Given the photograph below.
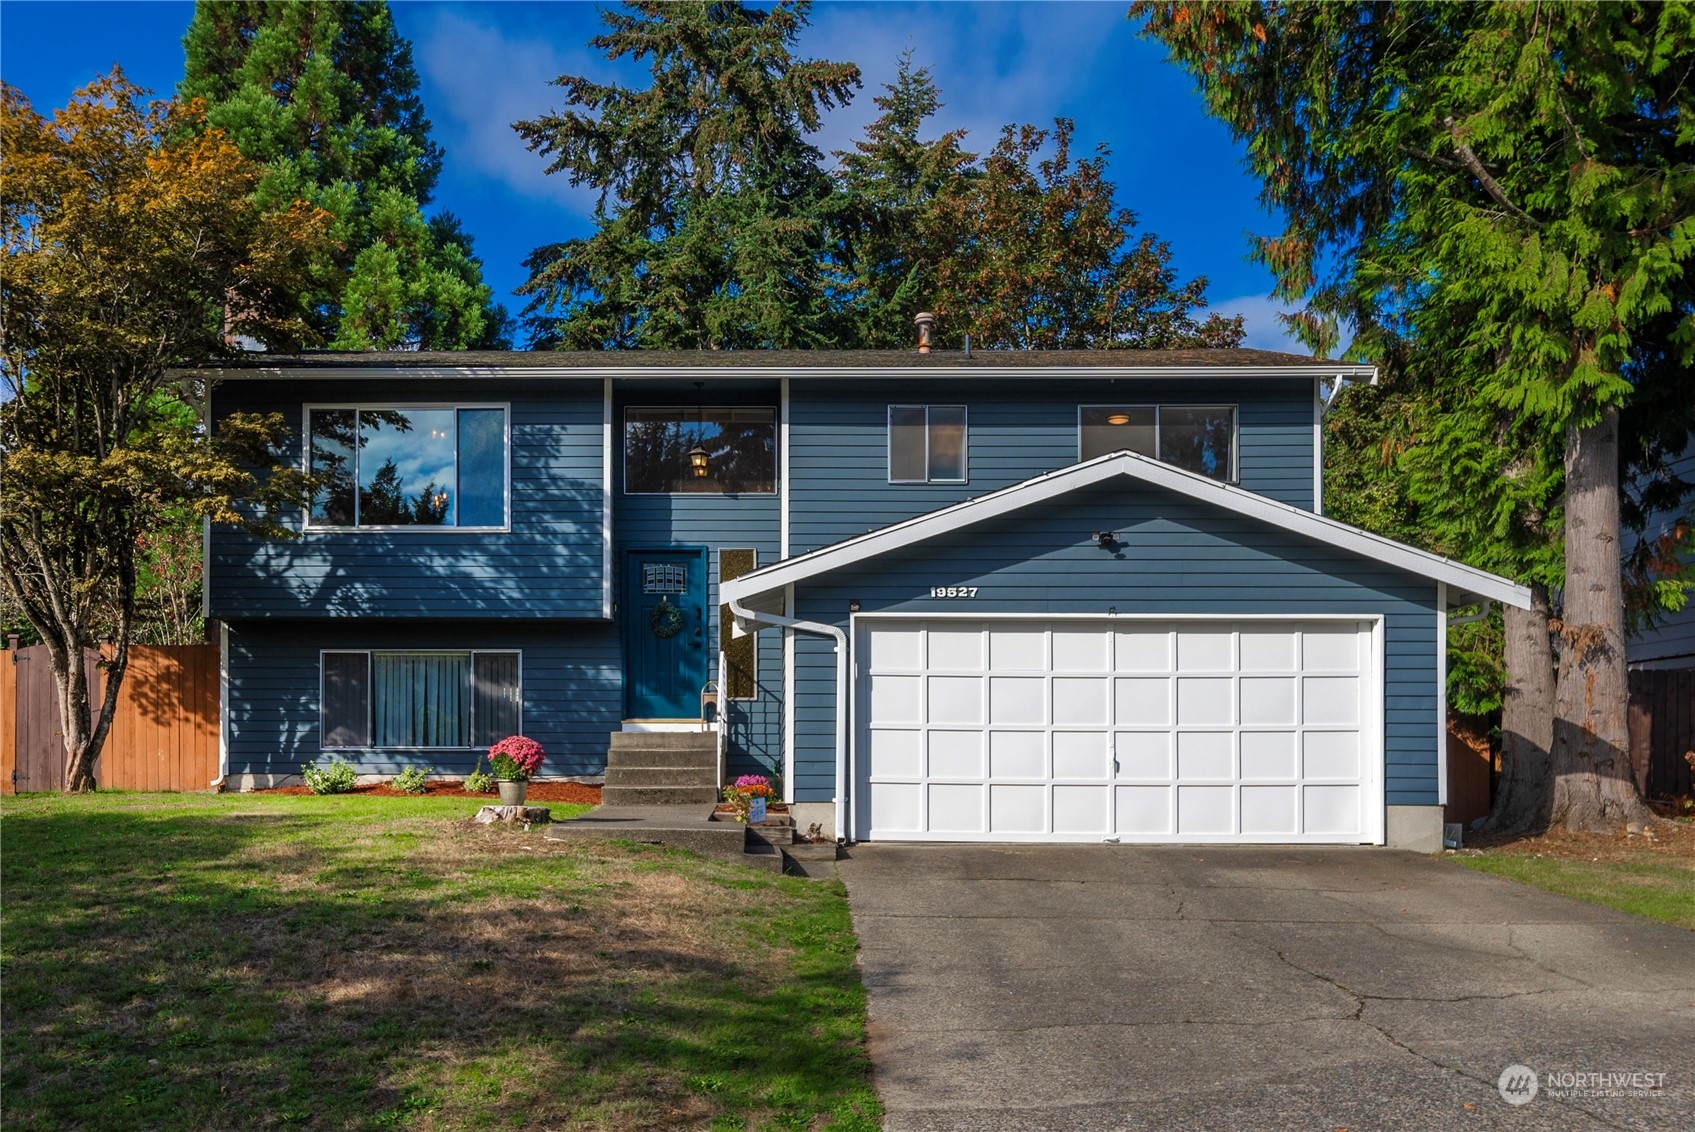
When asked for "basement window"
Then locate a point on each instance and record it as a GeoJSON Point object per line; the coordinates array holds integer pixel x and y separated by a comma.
{"type": "Point", "coordinates": [411, 700]}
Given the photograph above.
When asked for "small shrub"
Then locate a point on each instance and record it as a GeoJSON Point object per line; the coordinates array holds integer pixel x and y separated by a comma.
{"type": "Point", "coordinates": [412, 780]}
{"type": "Point", "coordinates": [479, 781]}
{"type": "Point", "coordinates": [337, 778]}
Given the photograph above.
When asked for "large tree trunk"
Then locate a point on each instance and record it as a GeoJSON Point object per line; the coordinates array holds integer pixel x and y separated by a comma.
{"type": "Point", "coordinates": [84, 725]}
{"type": "Point", "coordinates": [1524, 796]}
{"type": "Point", "coordinates": [1594, 788]}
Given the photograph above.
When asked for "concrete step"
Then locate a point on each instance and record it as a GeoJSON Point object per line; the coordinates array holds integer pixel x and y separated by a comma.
{"type": "Point", "coordinates": [660, 776]}
{"type": "Point", "coordinates": [680, 827]}
{"type": "Point", "coordinates": [662, 757]}
{"type": "Point", "coordinates": [658, 795]}
{"type": "Point", "coordinates": [665, 740]}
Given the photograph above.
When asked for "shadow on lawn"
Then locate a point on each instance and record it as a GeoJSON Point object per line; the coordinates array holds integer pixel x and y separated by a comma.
{"type": "Point", "coordinates": [190, 969]}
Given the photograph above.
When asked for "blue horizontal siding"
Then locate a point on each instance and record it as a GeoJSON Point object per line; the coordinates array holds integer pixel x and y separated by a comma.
{"type": "Point", "coordinates": [547, 566]}
{"type": "Point", "coordinates": [1042, 560]}
{"type": "Point", "coordinates": [838, 443]}
{"type": "Point", "coordinates": [570, 691]}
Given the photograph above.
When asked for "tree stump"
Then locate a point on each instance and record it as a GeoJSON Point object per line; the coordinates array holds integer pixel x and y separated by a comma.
{"type": "Point", "coordinates": [537, 815]}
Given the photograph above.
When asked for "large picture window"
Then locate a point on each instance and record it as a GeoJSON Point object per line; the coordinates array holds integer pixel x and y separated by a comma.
{"type": "Point", "coordinates": [927, 444]}
{"type": "Point", "coordinates": [409, 467]}
{"type": "Point", "coordinates": [1196, 438]}
{"type": "Point", "coordinates": [418, 699]}
{"type": "Point", "coordinates": [713, 450]}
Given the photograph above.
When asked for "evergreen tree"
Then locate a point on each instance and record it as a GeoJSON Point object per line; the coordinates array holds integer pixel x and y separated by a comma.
{"type": "Point", "coordinates": [711, 223]}
{"type": "Point", "coordinates": [890, 226]}
{"type": "Point", "coordinates": [1505, 191]}
{"type": "Point", "coordinates": [324, 96]}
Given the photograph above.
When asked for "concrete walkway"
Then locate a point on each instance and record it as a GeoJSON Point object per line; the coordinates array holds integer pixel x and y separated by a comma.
{"type": "Point", "coordinates": [1117, 987]}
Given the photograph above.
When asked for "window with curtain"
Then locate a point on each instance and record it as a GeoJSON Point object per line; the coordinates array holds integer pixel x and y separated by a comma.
{"type": "Point", "coordinates": [419, 699]}
{"type": "Point", "coordinates": [1197, 438]}
{"type": "Point", "coordinates": [927, 444]}
{"type": "Point", "coordinates": [408, 467]}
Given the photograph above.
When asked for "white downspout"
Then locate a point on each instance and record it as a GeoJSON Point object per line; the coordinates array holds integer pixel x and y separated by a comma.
{"type": "Point", "coordinates": [843, 694]}
{"type": "Point", "coordinates": [223, 706]}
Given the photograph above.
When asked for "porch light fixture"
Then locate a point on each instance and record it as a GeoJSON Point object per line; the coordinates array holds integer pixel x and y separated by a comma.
{"type": "Point", "coordinates": [698, 455]}
{"type": "Point", "coordinates": [1118, 417]}
{"type": "Point", "coordinates": [698, 458]}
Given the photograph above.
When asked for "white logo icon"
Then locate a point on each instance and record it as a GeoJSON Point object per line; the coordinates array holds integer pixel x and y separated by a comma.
{"type": "Point", "coordinates": [1518, 1084]}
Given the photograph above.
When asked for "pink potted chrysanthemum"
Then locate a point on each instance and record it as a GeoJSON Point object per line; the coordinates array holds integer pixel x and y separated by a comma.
{"type": "Point", "coordinates": [513, 760]}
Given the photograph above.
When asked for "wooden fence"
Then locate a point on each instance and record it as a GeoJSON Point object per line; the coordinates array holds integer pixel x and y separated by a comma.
{"type": "Point", "coordinates": [1662, 730]}
{"type": "Point", "coordinates": [163, 737]}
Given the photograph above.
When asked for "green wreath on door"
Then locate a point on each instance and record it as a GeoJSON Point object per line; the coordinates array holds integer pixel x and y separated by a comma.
{"type": "Point", "coordinates": [666, 620]}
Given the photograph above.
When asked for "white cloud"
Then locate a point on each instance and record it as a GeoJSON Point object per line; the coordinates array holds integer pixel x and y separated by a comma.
{"type": "Point", "coordinates": [1259, 318]}
{"type": "Point", "coordinates": [491, 80]}
{"type": "Point", "coordinates": [995, 63]}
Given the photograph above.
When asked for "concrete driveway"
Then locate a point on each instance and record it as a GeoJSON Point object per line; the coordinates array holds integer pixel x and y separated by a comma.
{"type": "Point", "coordinates": [1117, 987]}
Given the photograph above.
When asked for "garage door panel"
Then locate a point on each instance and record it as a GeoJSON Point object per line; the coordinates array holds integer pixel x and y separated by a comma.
{"type": "Point", "coordinates": [1144, 754]}
{"type": "Point", "coordinates": [1079, 700]}
{"type": "Point", "coordinates": [1202, 700]}
{"type": "Point", "coordinates": [956, 700]}
{"type": "Point", "coordinates": [1269, 810]}
{"type": "Point", "coordinates": [1143, 811]}
{"type": "Point", "coordinates": [1018, 754]}
{"type": "Point", "coordinates": [1269, 699]}
{"type": "Point", "coordinates": [1018, 699]}
{"type": "Point", "coordinates": [956, 808]}
{"type": "Point", "coordinates": [1205, 810]}
{"type": "Point", "coordinates": [1331, 700]}
{"type": "Point", "coordinates": [1157, 731]}
{"type": "Point", "coordinates": [897, 699]}
{"type": "Point", "coordinates": [1142, 701]}
{"type": "Point", "coordinates": [1269, 754]}
{"type": "Point", "coordinates": [1080, 754]}
{"type": "Point", "coordinates": [957, 649]}
{"type": "Point", "coordinates": [896, 754]}
{"type": "Point", "coordinates": [1080, 810]}
{"type": "Point", "coordinates": [1081, 651]}
{"type": "Point", "coordinates": [956, 754]}
{"type": "Point", "coordinates": [1018, 809]}
{"type": "Point", "coordinates": [1145, 649]}
{"type": "Point", "coordinates": [1205, 754]}
{"type": "Point", "coordinates": [1330, 809]}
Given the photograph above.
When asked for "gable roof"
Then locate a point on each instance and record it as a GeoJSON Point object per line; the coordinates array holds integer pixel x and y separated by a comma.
{"type": "Point", "coordinates": [1464, 582]}
{"type": "Point", "coordinates": [623, 364]}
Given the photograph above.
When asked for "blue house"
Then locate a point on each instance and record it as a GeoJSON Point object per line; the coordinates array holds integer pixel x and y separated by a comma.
{"type": "Point", "coordinates": [945, 596]}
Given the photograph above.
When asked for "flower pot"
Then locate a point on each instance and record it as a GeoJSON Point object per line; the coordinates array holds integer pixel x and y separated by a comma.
{"type": "Point", "coordinates": [512, 791]}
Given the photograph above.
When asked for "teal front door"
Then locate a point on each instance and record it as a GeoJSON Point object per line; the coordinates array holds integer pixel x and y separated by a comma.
{"type": "Point", "coordinates": [664, 615]}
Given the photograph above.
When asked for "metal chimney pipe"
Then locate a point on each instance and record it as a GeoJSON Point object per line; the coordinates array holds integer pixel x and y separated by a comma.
{"type": "Point", "coordinates": [926, 321]}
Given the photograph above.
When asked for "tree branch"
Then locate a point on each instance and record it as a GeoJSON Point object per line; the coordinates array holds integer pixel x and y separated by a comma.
{"type": "Point", "coordinates": [1475, 167]}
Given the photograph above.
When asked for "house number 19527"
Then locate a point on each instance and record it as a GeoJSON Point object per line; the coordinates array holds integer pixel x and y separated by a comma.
{"type": "Point", "coordinates": [953, 591]}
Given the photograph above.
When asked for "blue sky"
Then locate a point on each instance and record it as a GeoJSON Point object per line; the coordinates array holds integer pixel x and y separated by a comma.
{"type": "Point", "coordinates": [485, 65]}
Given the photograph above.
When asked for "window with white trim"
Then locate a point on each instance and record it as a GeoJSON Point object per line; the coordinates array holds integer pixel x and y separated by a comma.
{"type": "Point", "coordinates": [401, 467]}
{"type": "Point", "coordinates": [371, 699]}
{"type": "Point", "coordinates": [1196, 438]}
{"type": "Point", "coordinates": [927, 444]}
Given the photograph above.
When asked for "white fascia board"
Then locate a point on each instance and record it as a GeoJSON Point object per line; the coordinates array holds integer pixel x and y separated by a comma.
{"type": "Point", "coordinates": [1462, 580]}
{"type": "Point", "coordinates": [824, 373]}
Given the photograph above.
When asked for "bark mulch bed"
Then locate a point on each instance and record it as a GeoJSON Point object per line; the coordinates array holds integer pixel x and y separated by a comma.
{"type": "Point", "coordinates": [579, 792]}
{"type": "Point", "coordinates": [1669, 839]}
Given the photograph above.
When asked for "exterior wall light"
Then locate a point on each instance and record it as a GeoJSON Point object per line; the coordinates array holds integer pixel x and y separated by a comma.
{"type": "Point", "coordinates": [1106, 540]}
{"type": "Point", "coordinates": [698, 457]}
{"type": "Point", "coordinates": [853, 605]}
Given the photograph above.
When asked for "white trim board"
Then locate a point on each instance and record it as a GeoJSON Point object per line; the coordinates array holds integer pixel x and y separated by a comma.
{"type": "Point", "coordinates": [1316, 368]}
{"type": "Point", "coordinates": [1463, 581]}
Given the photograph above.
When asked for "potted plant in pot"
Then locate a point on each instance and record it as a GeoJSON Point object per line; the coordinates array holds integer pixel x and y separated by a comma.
{"type": "Point", "coordinates": [749, 796]}
{"type": "Point", "coordinates": [513, 760]}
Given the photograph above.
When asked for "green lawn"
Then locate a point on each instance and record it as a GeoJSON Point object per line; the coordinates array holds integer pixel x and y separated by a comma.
{"type": "Point", "coordinates": [189, 962]}
{"type": "Point", "coordinates": [1662, 890]}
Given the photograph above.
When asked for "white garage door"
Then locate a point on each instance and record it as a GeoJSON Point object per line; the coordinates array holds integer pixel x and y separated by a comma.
{"type": "Point", "coordinates": [1188, 731]}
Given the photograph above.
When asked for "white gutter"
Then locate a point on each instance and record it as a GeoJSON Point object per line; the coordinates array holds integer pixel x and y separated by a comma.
{"type": "Point", "coordinates": [743, 616]}
{"type": "Point", "coordinates": [297, 372]}
{"type": "Point", "coordinates": [1482, 612]}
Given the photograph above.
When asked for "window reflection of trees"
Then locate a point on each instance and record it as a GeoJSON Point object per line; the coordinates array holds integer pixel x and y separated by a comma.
{"type": "Point", "coordinates": [1197, 439]}
{"type": "Point", "coordinates": [741, 447]}
{"type": "Point", "coordinates": [383, 501]}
